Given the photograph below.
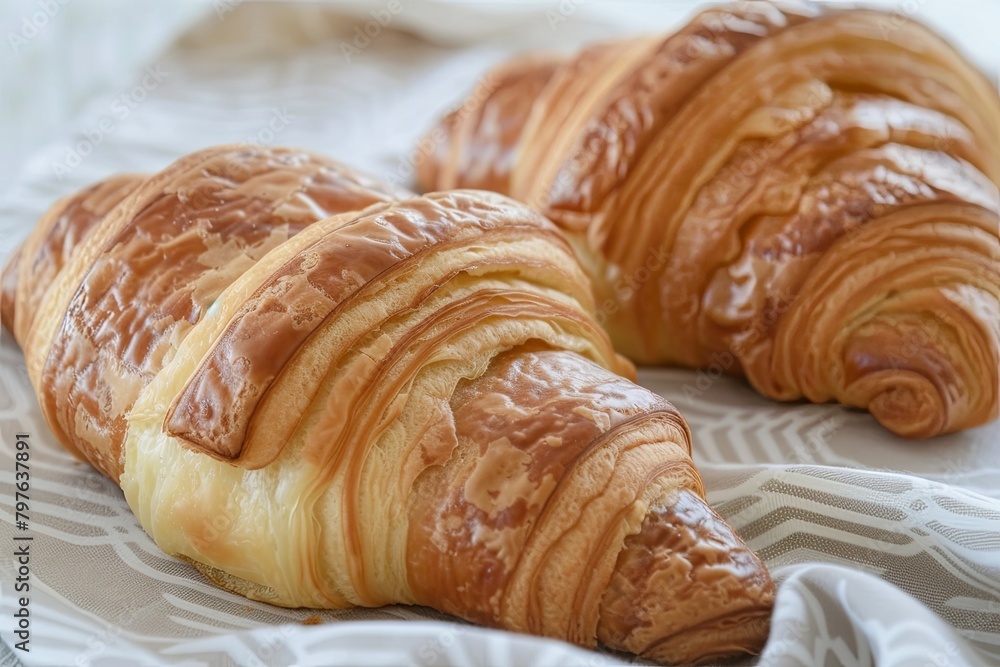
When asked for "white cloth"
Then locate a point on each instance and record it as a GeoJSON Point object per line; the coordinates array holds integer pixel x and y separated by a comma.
{"type": "Point", "coordinates": [886, 552]}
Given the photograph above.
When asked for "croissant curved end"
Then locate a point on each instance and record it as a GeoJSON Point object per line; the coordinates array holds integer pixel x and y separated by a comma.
{"type": "Point", "coordinates": [791, 187]}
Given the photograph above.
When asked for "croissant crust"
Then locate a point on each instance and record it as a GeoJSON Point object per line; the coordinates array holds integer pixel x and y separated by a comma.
{"type": "Point", "coordinates": [801, 195]}
{"type": "Point", "coordinates": [323, 392]}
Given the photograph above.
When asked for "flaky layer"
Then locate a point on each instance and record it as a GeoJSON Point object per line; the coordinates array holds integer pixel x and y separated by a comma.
{"type": "Point", "coordinates": [151, 266]}
{"type": "Point", "coordinates": [556, 464]}
{"type": "Point", "coordinates": [716, 179]}
{"type": "Point", "coordinates": [324, 393]}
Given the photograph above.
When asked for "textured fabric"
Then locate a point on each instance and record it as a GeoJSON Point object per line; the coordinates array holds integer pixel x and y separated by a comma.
{"type": "Point", "coordinates": [886, 552]}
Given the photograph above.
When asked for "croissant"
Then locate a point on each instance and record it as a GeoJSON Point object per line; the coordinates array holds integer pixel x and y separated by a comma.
{"type": "Point", "coordinates": [803, 196]}
{"type": "Point", "coordinates": [323, 392]}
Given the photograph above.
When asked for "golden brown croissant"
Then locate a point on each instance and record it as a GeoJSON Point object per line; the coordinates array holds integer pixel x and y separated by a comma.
{"type": "Point", "coordinates": [323, 393]}
{"type": "Point", "coordinates": [807, 197]}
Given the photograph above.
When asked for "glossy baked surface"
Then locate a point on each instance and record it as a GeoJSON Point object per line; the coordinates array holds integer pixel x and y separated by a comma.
{"type": "Point", "coordinates": [325, 393]}
{"type": "Point", "coordinates": [804, 196]}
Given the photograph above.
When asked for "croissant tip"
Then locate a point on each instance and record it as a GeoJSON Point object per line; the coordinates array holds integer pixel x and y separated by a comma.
{"type": "Point", "coordinates": [686, 588]}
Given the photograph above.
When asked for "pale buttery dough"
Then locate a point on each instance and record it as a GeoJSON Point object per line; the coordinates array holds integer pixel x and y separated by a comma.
{"type": "Point", "coordinates": [324, 393]}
